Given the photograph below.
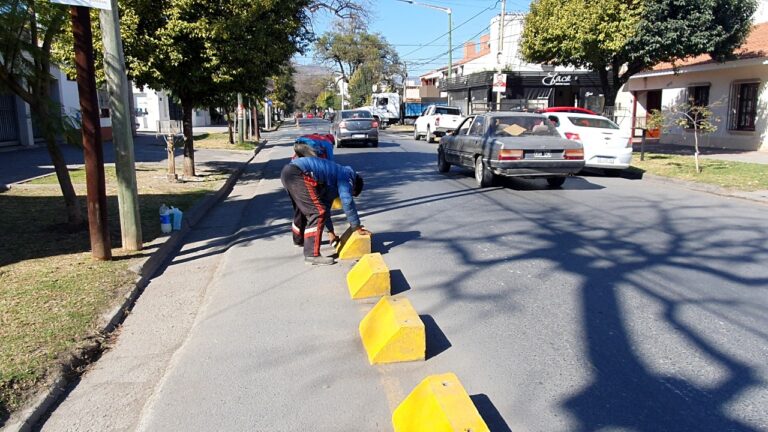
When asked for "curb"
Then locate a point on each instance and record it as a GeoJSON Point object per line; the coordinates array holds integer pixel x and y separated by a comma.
{"type": "Point", "coordinates": [27, 418]}
{"type": "Point", "coordinates": [756, 196]}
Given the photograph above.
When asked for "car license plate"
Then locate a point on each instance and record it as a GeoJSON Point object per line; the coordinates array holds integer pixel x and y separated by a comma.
{"type": "Point", "coordinates": [604, 160]}
{"type": "Point", "coordinates": [542, 154]}
{"type": "Point", "coordinates": [359, 136]}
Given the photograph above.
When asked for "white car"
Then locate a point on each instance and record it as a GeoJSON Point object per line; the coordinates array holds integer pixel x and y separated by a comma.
{"type": "Point", "coordinates": [606, 146]}
{"type": "Point", "coordinates": [437, 121]}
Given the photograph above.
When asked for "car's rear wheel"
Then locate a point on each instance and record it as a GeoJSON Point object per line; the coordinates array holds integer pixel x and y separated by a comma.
{"type": "Point", "coordinates": [375, 143]}
{"type": "Point", "coordinates": [555, 182]}
{"type": "Point", "coordinates": [442, 165]}
{"type": "Point", "coordinates": [483, 175]}
{"type": "Point", "coordinates": [430, 136]}
{"type": "Point", "coordinates": [415, 134]}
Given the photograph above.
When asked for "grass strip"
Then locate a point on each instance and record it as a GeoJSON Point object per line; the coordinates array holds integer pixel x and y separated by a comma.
{"type": "Point", "coordinates": [52, 293]}
{"type": "Point", "coordinates": [740, 176]}
{"type": "Point", "coordinates": [220, 141]}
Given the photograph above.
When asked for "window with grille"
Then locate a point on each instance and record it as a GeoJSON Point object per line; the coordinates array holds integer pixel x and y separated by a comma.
{"type": "Point", "coordinates": [743, 111]}
{"type": "Point", "coordinates": [698, 96]}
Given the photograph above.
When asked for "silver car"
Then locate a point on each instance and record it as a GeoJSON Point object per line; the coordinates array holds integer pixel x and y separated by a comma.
{"type": "Point", "coordinates": [355, 126]}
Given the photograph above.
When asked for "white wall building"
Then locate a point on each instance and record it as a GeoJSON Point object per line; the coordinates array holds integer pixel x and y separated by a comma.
{"type": "Point", "coordinates": [735, 90]}
{"type": "Point", "coordinates": [156, 111]}
{"type": "Point", "coordinates": [16, 125]}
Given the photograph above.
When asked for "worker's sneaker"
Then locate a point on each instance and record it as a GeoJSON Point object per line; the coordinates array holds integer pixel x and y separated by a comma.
{"type": "Point", "coordinates": [319, 260]}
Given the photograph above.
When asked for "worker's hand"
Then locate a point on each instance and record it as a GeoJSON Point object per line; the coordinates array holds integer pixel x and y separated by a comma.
{"type": "Point", "coordinates": [362, 231]}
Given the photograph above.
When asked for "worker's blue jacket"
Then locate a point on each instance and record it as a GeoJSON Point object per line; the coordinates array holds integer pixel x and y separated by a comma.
{"type": "Point", "coordinates": [336, 178]}
{"type": "Point", "coordinates": [323, 149]}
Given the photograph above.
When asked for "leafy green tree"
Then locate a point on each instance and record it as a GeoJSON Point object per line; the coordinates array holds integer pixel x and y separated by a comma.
{"type": "Point", "coordinates": [200, 49]}
{"type": "Point", "coordinates": [28, 29]}
{"type": "Point", "coordinates": [284, 93]}
{"type": "Point", "coordinates": [350, 46]}
{"type": "Point", "coordinates": [619, 38]}
{"type": "Point", "coordinates": [361, 86]}
{"type": "Point", "coordinates": [327, 99]}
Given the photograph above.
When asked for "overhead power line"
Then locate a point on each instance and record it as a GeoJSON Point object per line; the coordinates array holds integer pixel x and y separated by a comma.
{"type": "Point", "coordinates": [454, 28]}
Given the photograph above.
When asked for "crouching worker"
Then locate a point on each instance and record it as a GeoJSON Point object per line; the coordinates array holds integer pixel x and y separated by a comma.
{"type": "Point", "coordinates": [321, 146]}
{"type": "Point", "coordinates": [309, 181]}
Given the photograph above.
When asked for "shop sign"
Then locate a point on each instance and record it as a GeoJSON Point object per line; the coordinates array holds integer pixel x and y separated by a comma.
{"type": "Point", "coordinates": [555, 79]}
{"type": "Point", "coordinates": [98, 4]}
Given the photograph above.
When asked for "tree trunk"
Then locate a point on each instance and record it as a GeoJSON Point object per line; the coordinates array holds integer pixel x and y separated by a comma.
{"type": "Point", "coordinates": [609, 93]}
{"type": "Point", "coordinates": [74, 215]}
{"type": "Point", "coordinates": [229, 128]}
{"type": "Point", "coordinates": [189, 143]}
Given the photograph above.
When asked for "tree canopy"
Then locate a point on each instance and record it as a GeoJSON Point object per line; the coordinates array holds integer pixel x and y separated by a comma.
{"type": "Point", "coordinates": [349, 46]}
{"type": "Point", "coordinates": [200, 49]}
{"type": "Point", "coordinates": [619, 38]}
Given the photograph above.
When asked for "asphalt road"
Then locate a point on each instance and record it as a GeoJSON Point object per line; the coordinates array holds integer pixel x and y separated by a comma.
{"type": "Point", "coordinates": [608, 305]}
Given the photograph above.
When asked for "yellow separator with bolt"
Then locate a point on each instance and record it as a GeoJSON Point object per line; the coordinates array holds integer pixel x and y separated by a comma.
{"type": "Point", "coordinates": [353, 245]}
{"type": "Point", "coordinates": [438, 404]}
{"type": "Point", "coordinates": [393, 332]}
{"type": "Point", "coordinates": [369, 277]}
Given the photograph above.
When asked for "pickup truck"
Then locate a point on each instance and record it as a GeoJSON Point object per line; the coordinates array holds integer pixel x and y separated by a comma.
{"type": "Point", "coordinates": [437, 121]}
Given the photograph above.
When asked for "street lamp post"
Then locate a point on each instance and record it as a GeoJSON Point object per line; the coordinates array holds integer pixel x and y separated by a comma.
{"type": "Point", "coordinates": [450, 29]}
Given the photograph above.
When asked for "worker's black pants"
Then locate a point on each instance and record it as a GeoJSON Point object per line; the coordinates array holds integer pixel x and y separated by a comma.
{"type": "Point", "coordinates": [309, 211]}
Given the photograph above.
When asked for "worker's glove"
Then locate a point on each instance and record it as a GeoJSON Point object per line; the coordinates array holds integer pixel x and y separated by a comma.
{"type": "Point", "coordinates": [362, 231]}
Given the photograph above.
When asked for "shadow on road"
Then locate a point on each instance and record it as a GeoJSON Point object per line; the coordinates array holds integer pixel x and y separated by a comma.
{"type": "Point", "coordinates": [610, 259]}
{"type": "Point", "coordinates": [437, 341]}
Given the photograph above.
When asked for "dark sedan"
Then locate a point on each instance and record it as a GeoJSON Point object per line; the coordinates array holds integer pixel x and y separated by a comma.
{"type": "Point", "coordinates": [522, 145]}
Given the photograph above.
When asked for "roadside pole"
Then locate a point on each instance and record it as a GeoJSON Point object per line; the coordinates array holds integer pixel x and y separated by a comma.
{"type": "Point", "coordinates": [119, 95]}
{"type": "Point", "coordinates": [240, 118]}
{"type": "Point", "coordinates": [256, 132]}
{"type": "Point", "coordinates": [93, 152]}
{"type": "Point", "coordinates": [500, 54]}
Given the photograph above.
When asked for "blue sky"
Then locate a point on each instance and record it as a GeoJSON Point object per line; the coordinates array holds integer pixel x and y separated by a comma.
{"type": "Point", "coordinates": [420, 33]}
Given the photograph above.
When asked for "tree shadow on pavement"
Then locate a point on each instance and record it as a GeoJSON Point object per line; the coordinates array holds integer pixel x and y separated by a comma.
{"type": "Point", "coordinates": [612, 260]}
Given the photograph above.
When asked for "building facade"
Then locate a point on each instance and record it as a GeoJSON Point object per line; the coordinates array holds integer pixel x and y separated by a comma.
{"type": "Point", "coordinates": [529, 86]}
{"type": "Point", "coordinates": [735, 90]}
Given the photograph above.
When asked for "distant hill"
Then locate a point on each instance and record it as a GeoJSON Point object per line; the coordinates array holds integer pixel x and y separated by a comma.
{"type": "Point", "coordinates": [312, 70]}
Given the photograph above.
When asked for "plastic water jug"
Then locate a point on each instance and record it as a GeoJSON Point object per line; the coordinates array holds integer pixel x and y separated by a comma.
{"type": "Point", "coordinates": [165, 219]}
{"type": "Point", "coordinates": [177, 216]}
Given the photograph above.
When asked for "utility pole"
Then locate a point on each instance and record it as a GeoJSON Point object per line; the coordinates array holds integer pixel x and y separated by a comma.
{"type": "Point", "coordinates": [240, 118]}
{"type": "Point", "coordinates": [450, 44]}
{"type": "Point", "coordinates": [500, 54]}
{"type": "Point", "coordinates": [119, 102]}
{"type": "Point", "coordinates": [93, 152]}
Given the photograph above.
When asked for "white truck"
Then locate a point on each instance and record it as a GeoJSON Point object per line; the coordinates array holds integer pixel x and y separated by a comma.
{"type": "Point", "coordinates": [385, 107]}
{"type": "Point", "coordinates": [437, 121]}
